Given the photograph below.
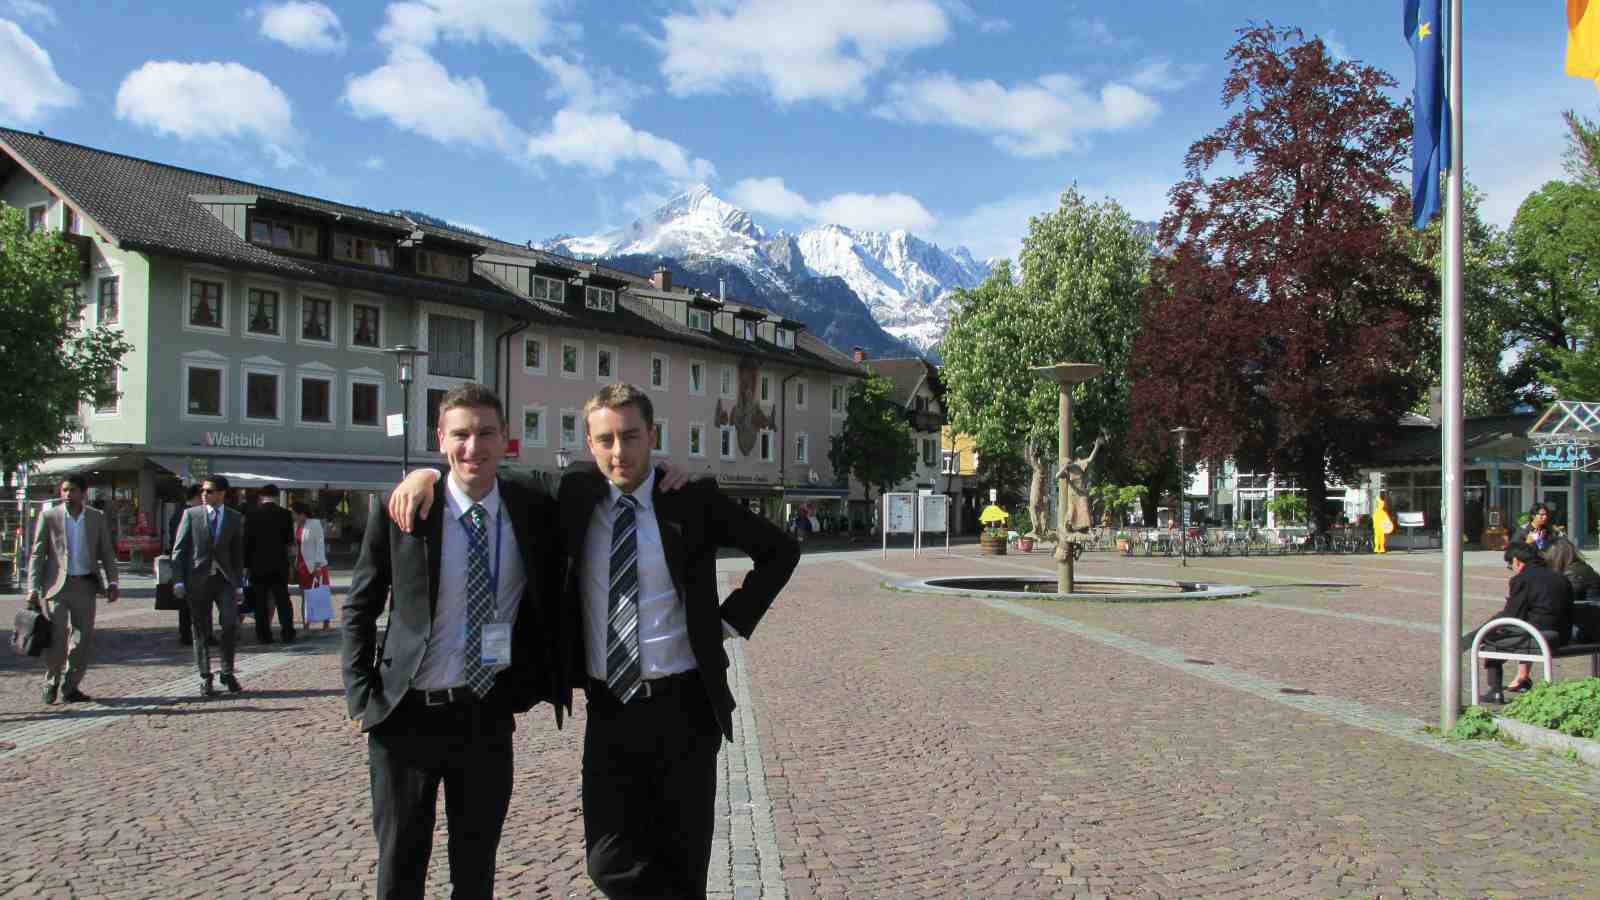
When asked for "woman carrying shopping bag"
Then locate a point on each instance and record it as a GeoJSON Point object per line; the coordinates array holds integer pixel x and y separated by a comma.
{"type": "Point", "coordinates": [311, 568]}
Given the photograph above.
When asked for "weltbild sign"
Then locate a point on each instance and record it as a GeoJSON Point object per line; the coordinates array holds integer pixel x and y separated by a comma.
{"type": "Point", "coordinates": [233, 439]}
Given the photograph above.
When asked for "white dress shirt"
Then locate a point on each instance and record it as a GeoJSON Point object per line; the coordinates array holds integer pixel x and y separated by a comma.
{"type": "Point", "coordinates": [664, 647]}
{"type": "Point", "coordinates": [77, 542]}
{"type": "Point", "coordinates": [444, 663]}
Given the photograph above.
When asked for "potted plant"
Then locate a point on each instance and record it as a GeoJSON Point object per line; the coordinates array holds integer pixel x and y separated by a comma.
{"type": "Point", "coordinates": [1026, 535]}
{"type": "Point", "coordinates": [993, 539]}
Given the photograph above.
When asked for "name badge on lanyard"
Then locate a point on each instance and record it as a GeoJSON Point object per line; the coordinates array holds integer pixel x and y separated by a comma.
{"type": "Point", "coordinates": [494, 638]}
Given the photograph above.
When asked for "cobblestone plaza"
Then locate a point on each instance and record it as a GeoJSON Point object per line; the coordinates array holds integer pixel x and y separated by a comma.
{"type": "Point", "coordinates": [890, 744]}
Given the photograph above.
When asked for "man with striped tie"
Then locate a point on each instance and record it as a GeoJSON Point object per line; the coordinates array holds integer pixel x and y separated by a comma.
{"type": "Point", "coordinates": [473, 586]}
{"type": "Point", "coordinates": [642, 629]}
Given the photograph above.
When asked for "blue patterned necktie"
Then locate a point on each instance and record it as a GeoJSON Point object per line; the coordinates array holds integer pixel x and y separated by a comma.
{"type": "Point", "coordinates": [623, 671]}
{"type": "Point", "coordinates": [480, 599]}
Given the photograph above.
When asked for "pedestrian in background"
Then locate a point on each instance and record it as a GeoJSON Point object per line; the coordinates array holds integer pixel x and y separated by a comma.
{"type": "Point", "coordinates": [71, 549]}
{"type": "Point", "coordinates": [208, 572]}
{"type": "Point", "coordinates": [191, 497]}
{"type": "Point", "coordinates": [268, 544]}
{"type": "Point", "coordinates": [311, 557]}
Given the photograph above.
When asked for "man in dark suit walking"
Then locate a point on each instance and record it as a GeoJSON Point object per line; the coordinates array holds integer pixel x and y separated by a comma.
{"type": "Point", "coordinates": [268, 540]}
{"type": "Point", "coordinates": [208, 571]}
{"type": "Point", "coordinates": [642, 630]}
{"type": "Point", "coordinates": [468, 645]}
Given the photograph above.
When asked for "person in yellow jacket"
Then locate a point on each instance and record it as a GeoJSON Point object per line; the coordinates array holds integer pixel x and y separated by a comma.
{"type": "Point", "coordinates": [1382, 525]}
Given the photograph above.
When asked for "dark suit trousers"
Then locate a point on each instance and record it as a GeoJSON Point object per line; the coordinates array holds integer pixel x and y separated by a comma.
{"type": "Point", "coordinates": [205, 593]}
{"type": "Point", "coordinates": [649, 790]}
{"type": "Point", "coordinates": [412, 752]}
{"type": "Point", "coordinates": [268, 590]}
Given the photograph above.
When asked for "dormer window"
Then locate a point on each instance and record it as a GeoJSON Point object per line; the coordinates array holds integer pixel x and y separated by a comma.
{"type": "Point", "coordinates": [281, 235]}
{"type": "Point", "coordinates": [601, 299]}
{"type": "Point", "coordinates": [349, 248]}
{"type": "Point", "coordinates": [699, 319]}
{"type": "Point", "coordinates": [441, 265]}
{"type": "Point", "coordinates": [549, 290]}
{"type": "Point", "coordinates": [786, 338]}
{"type": "Point", "coordinates": [744, 329]}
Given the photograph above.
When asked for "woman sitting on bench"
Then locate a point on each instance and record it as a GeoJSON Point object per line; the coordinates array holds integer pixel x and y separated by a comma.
{"type": "Point", "coordinates": [1539, 596]}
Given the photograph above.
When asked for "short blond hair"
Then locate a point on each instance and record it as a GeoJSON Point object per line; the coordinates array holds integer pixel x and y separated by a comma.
{"type": "Point", "coordinates": [616, 396]}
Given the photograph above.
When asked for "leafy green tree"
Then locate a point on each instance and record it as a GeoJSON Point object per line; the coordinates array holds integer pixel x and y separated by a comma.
{"type": "Point", "coordinates": [875, 444]}
{"type": "Point", "coordinates": [1583, 150]}
{"type": "Point", "coordinates": [1554, 303]}
{"type": "Point", "coordinates": [52, 362]}
{"type": "Point", "coordinates": [1083, 270]}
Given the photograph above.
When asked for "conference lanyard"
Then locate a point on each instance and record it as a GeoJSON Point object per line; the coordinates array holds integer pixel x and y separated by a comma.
{"type": "Point", "coordinates": [494, 561]}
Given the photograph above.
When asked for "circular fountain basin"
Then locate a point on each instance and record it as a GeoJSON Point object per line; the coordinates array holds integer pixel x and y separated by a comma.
{"type": "Point", "coordinates": [1043, 587]}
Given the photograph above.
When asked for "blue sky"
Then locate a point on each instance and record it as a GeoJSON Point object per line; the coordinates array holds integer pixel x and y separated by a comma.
{"type": "Point", "coordinates": [956, 119]}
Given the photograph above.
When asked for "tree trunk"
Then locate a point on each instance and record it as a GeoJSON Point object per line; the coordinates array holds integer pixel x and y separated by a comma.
{"type": "Point", "coordinates": [1042, 473]}
{"type": "Point", "coordinates": [1314, 481]}
{"type": "Point", "coordinates": [1152, 498]}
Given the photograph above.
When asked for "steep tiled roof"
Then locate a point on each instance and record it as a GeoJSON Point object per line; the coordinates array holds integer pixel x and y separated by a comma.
{"type": "Point", "coordinates": [148, 206]}
{"type": "Point", "coordinates": [905, 374]}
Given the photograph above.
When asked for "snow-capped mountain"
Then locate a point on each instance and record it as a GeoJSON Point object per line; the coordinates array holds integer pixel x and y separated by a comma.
{"type": "Point", "coordinates": [903, 280]}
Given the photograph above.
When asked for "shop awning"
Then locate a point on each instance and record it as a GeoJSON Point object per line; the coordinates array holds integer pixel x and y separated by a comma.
{"type": "Point", "coordinates": [67, 465]}
{"type": "Point", "coordinates": [814, 492]}
{"type": "Point", "coordinates": [254, 471]}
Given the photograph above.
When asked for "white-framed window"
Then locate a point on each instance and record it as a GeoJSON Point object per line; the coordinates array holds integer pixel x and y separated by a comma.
{"type": "Point", "coordinates": [112, 405]}
{"type": "Point", "coordinates": [570, 436]}
{"type": "Point", "coordinates": [700, 319]}
{"type": "Point", "coordinates": [315, 388]}
{"type": "Point", "coordinates": [282, 235]}
{"type": "Point", "coordinates": [836, 399]}
{"type": "Point", "coordinates": [764, 387]}
{"type": "Point", "coordinates": [533, 426]}
{"type": "Point", "coordinates": [441, 265]}
{"type": "Point", "coordinates": [767, 445]}
{"type": "Point", "coordinates": [366, 399]}
{"type": "Point", "coordinates": [535, 350]}
{"type": "Point", "coordinates": [261, 391]}
{"type": "Point", "coordinates": [204, 387]}
{"type": "Point", "coordinates": [550, 290]}
{"type": "Point", "coordinates": [366, 324]}
{"type": "Point", "coordinates": [366, 251]}
{"type": "Point", "coordinates": [453, 344]}
{"type": "Point", "coordinates": [263, 312]}
{"type": "Point", "coordinates": [660, 371]}
{"type": "Point", "coordinates": [600, 298]}
{"type": "Point", "coordinates": [571, 359]}
{"type": "Point", "coordinates": [108, 301]}
{"type": "Point", "coordinates": [697, 439]}
{"type": "Point", "coordinates": [744, 329]}
{"type": "Point", "coordinates": [728, 384]}
{"type": "Point", "coordinates": [663, 444]}
{"type": "Point", "coordinates": [930, 452]}
{"type": "Point", "coordinates": [38, 216]}
{"type": "Point", "coordinates": [801, 389]}
{"type": "Point", "coordinates": [605, 363]}
{"type": "Point", "coordinates": [697, 377]}
{"type": "Point", "coordinates": [207, 308]}
{"type": "Point", "coordinates": [725, 441]}
{"type": "Point", "coordinates": [316, 319]}
{"type": "Point", "coordinates": [786, 338]}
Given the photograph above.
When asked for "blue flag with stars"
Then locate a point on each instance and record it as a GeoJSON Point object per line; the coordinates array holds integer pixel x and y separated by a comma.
{"type": "Point", "coordinates": [1430, 124]}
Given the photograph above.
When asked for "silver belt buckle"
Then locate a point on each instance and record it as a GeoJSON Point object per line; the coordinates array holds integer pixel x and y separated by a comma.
{"type": "Point", "coordinates": [428, 697]}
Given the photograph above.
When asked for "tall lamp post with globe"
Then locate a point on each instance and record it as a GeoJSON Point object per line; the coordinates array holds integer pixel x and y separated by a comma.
{"type": "Point", "coordinates": [1182, 431]}
{"type": "Point", "coordinates": [405, 358]}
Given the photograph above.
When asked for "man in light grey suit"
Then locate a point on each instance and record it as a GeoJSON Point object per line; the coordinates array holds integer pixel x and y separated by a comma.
{"type": "Point", "coordinates": [71, 548]}
{"type": "Point", "coordinates": [207, 571]}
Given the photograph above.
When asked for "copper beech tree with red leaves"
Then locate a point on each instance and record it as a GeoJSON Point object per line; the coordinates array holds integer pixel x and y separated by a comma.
{"type": "Point", "coordinates": [1284, 305]}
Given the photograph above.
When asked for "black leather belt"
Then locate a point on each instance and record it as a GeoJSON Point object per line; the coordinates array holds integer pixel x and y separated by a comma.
{"type": "Point", "coordinates": [652, 687]}
{"type": "Point", "coordinates": [90, 575]}
{"type": "Point", "coordinates": [443, 696]}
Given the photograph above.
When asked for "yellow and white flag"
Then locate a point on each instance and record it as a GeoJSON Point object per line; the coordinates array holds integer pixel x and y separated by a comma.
{"type": "Point", "coordinates": [1583, 39]}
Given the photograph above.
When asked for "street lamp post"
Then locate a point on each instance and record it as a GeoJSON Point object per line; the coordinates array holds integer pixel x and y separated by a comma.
{"type": "Point", "coordinates": [1182, 431]}
{"type": "Point", "coordinates": [405, 358]}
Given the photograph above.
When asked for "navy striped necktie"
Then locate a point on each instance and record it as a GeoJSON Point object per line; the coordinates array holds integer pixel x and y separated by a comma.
{"type": "Point", "coordinates": [623, 670]}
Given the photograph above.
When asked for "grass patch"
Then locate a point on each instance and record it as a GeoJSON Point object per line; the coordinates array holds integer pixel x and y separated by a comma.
{"type": "Point", "coordinates": [1474, 723]}
{"type": "Point", "coordinates": [1570, 707]}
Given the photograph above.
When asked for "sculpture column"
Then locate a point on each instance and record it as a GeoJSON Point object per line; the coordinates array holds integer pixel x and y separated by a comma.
{"type": "Point", "coordinates": [1065, 375]}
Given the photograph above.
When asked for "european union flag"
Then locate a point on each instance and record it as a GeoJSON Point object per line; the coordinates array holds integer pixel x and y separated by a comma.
{"type": "Point", "coordinates": [1430, 125]}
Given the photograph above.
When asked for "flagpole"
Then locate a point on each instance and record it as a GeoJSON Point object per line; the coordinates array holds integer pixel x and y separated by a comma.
{"type": "Point", "coordinates": [1454, 418]}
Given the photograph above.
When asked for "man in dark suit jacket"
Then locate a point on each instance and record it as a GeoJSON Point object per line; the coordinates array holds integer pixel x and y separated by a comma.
{"type": "Point", "coordinates": [642, 628]}
{"type": "Point", "coordinates": [1537, 595]}
{"type": "Point", "coordinates": [466, 647]}
{"type": "Point", "coordinates": [191, 498]}
{"type": "Point", "coordinates": [208, 571]}
{"type": "Point", "coordinates": [268, 539]}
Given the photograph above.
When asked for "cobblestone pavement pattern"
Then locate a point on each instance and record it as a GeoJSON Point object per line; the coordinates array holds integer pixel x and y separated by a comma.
{"type": "Point", "coordinates": [890, 744]}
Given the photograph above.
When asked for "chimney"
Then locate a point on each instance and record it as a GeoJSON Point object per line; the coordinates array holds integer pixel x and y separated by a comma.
{"type": "Point", "coordinates": [662, 278]}
{"type": "Point", "coordinates": [859, 354]}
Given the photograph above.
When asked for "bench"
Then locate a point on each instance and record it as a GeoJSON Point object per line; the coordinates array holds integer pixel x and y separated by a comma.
{"type": "Point", "coordinates": [1545, 654]}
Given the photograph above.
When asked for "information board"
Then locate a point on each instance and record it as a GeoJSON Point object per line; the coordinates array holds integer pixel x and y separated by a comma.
{"type": "Point", "coordinates": [935, 512]}
{"type": "Point", "coordinates": [899, 513]}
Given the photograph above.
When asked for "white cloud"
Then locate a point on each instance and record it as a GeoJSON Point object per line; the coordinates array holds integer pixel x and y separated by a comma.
{"type": "Point", "coordinates": [31, 83]}
{"type": "Point", "coordinates": [1096, 31]}
{"type": "Point", "coordinates": [417, 94]}
{"type": "Point", "coordinates": [31, 11]}
{"type": "Point", "coordinates": [1335, 46]}
{"type": "Point", "coordinates": [868, 212]}
{"type": "Point", "coordinates": [525, 24]}
{"type": "Point", "coordinates": [210, 100]}
{"type": "Point", "coordinates": [303, 25]}
{"type": "Point", "coordinates": [1163, 75]}
{"type": "Point", "coordinates": [600, 141]}
{"type": "Point", "coordinates": [964, 13]}
{"type": "Point", "coordinates": [818, 50]}
{"type": "Point", "coordinates": [1045, 118]}
{"type": "Point", "coordinates": [374, 164]}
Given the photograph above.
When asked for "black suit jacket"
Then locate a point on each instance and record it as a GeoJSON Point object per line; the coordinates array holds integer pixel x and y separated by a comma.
{"type": "Point", "coordinates": [405, 567]}
{"type": "Point", "coordinates": [1541, 597]}
{"type": "Point", "coordinates": [696, 520]}
{"type": "Point", "coordinates": [268, 534]}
